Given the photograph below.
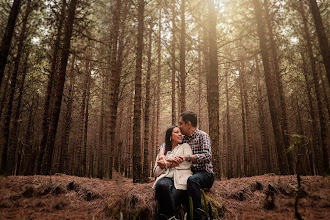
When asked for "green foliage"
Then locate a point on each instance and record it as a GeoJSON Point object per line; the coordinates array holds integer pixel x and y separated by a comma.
{"type": "Point", "coordinates": [137, 214]}
{"type": "Point", "coordinates": [191, 206]}
{"type": "Point", "coordinates": [296, 142]}
{"type": "Point", "coordinates": [206, 206]}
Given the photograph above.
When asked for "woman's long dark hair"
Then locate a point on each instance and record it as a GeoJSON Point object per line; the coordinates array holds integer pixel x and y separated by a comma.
{"type": "Point", "coordinates": [168, 135]}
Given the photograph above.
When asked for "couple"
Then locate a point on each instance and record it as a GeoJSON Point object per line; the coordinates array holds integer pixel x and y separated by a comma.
{"type": "Point", "coordinates": [183, 167]}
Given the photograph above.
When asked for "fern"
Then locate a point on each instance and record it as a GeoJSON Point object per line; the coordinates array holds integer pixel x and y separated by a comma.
{"type": "Point", "coordinates": [191, 206]}
{"type": "Point", "coordinates": [205, 201]}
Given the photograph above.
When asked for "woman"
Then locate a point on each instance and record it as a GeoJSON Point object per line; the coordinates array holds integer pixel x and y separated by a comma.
{"type": "Point", "coordinates": [171, 181]}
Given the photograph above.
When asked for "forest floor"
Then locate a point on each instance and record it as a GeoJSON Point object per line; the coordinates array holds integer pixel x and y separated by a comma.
{"type": "Point", "coordinates": [70, 197]}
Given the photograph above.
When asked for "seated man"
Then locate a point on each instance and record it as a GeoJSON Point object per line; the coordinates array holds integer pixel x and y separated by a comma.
{"type": "Point", "coordinates": [201, 156]}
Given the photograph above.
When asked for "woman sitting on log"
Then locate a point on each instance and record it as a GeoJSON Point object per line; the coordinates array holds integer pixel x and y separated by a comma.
{"type": "Point", "coordinates": [171, 181]}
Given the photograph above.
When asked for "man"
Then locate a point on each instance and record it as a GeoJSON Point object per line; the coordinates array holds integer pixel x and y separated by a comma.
{"type": "Point", "coordinates": [201, 167]}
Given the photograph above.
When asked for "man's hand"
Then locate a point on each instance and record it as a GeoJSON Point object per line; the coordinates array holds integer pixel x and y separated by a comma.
{"type": "Point", "coordinates": [184, 157]}
{"type": "Point", "coordinates": [175, 160]}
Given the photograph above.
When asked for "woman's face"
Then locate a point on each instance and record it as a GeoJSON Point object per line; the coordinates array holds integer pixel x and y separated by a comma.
{"type": "Point", "coordinates": [176, 136]}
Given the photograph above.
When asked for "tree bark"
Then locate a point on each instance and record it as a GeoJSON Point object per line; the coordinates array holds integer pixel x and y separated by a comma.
{"type": "Point", "coordinates": [243, 116]}
{"type": "Point", "coordinates": [173, 68]}
{"type": "Point", "coordinates": [30, 151]}
{"type": "Point", "coordinates": [265, 151]}
{"type": "Point", "coordinates": [137, 166]}
{"type": "Point", "coordinates": [279, 84]}
{"type": "Point", "coordinates": [213, 90]}
{"type": "Point", "coordinates": [146, 161]}
{"type": "Point", "coordinates": [228, 133]}
{"type": "Point", "coordinates": [6, 42]}
{"type": "Point", "coordinates": [47, 159]}
{"type": "Point", "coordinates": [282, 160]}
{"type": "Point", "coordinates": [50, 85]}
{"type": "Point", "coordinates": [323, 40]}
{"type": "Point", "coordinates": [8, 161]}
{"type": "Point", "coordinates": [159, 77]}
{"type": "Point", "coordinates": [15, 128]}
{"type": "Point", "coordinates": [183, 57]}
{"type": "Point", "coordinates": [64, 158]}
{"type": "Point", "coordinates": [84, 150]}
{"type": "Point", "coordinates": [322, 160]}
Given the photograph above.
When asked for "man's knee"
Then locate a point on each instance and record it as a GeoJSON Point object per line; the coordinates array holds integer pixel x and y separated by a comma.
{"type": "Point", "coordinates": [192, 180]}
{"type": "Point", "coordinates": [162, 185]}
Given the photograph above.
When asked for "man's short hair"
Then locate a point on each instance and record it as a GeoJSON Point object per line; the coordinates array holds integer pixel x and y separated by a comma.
{"type": "Point", "coordinates": [189, 116]}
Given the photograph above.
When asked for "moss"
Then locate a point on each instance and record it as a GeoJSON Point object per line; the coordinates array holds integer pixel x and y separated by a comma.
{"type": "Point", "coordinates": [218, 210]}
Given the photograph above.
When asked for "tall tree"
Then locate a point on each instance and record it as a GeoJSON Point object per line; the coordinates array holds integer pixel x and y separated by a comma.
{"type": "Point", "coordinates": [283, 163]}
{"type": "Point", "coordinates": [183, 57]}
{"type": "Point", "coordinates": [173, 68]}
{"type": "Point", "coordinates": [64, 157]}
{"type": "Point", "coordinates": [279, 84]}
{"type": "Point", "coordinates": [146, 159]}
{"type": "Point", "coordinates": [7, 38]}
{"type": "Point", "coordinates": [8, 163]}
{"type": "Point", "coordinates": [213, 89]}
{"type": "Point", "coordinates": [137, 166]}
{"type": "Point", "coordinates": [47, 159]}
{"type": "Point", "coordinates": [159, 75]}
{"type": "Point", "coordinates": [114, 84]}
{"type": "Point", "coordinates": [322, 37]}
{"type": "Point", "coordinates": [50, 84]}
{"type": "Point", "coordinates": [228, 132]}
{"type": "Point", "coordinates": [265, 151]}
{"type": "Point", "coordinates": [321, 154]}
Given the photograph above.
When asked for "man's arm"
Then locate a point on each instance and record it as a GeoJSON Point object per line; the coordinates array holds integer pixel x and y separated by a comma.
{"type": "Point", "coordinates": [204, 153]}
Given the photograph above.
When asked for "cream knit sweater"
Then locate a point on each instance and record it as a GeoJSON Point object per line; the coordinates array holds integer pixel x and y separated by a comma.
{"type": "Point", "coordinates": [180, 173]}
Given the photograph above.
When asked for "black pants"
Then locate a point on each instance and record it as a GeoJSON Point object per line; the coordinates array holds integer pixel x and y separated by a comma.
{"type": "Point", "coordinates": [196, 182]}
{"type": "Point", "coordinates": [169, 197]}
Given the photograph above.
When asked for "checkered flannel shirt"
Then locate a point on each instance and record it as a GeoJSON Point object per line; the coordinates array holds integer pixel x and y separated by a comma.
{"type": "Point", "coordinates": [200, 144]}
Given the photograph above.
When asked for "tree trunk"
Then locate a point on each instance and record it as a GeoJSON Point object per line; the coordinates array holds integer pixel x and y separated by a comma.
{"type": "Point", "coordinates": [322, 163]}
{"type": "Point", "coordinates": [50, 85]}
{"type": "Point", "coordinates": [265, 151]}
{"type": "Point", "coordinates": [282, 160]}
{"type": "Point", "coordinates": [5, 90]}
{"type": "Point", "coordinates": [8, 165]}
{"type": "Point", "coordinates": [30, 152]}
{"type": "Point", "coordinates": [159, 77]}
{"type": "Point", "coordinates": [146, 160]}
{"type": "Point", "coordinates": [64, 158]}
{"type": "Point", "coordinates": [173, 68]}
{"type": "Point", "coordinates": [213, 90]}
{"type": "Point", "coordinates": [137, 166]}
{"type": "Point", "coordinates": [6, 40]}
{"type": "Point", "coordinates": [315, 131]}
{"type": "Point", "coordinates": [79, 166]}
{"type": "Point", "coordinates": [84, 150]}
{"type": "Point", "coordinates": [15, 131]}
{"type": "Point", "coordinates": [183, 57]}
{"type": "Point", "coordinates": [279, 84]}
{"type": "Point", "coordinates": [47, 160]}
{"type": "Point", "coordinates": [228, 133]}
{"type": "Point", "coordinates": [243, 116]}
{"type": "Point", "coordinates": [153, 132]}
{"type": "Point", "coordinates": [323, 43]}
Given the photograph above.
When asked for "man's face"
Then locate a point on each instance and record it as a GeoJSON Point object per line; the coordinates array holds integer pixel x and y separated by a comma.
{"type": "Point", "coordinates": [183, 126]}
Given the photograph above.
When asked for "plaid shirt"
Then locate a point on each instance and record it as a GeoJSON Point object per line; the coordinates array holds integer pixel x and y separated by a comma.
{"type": "Point", "coordinates": [200, 144]}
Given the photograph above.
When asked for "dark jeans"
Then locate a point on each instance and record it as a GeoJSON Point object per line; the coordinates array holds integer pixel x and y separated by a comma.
{"type": "Point", "coordinates": [169, 197]}
{"type": "Point", "coordinates": [199, 180]}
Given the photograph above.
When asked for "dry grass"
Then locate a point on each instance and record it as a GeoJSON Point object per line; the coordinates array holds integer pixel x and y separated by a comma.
{"type": "Point", "coordinates": [70, 197]}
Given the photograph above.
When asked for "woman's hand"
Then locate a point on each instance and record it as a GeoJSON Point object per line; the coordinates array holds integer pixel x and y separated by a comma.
{"type": "Point", "coordinates": [175, 161]}
{"type": "Point", "coordinates": [161, 162]}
